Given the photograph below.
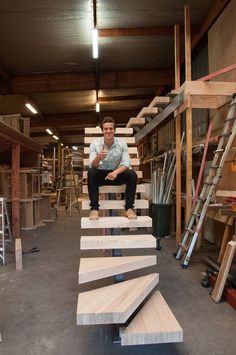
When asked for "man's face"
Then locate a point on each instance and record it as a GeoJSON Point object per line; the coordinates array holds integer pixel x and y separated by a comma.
{"type": "Point", "coordinates": [108, 130]}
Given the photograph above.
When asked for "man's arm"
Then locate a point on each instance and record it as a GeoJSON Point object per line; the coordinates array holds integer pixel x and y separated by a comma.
{"type": "Point", "coordinates": [94, 158]}
{"type": "Point", "coordinates": [114, 173]}
{"type": "Point", "coordinates": [124, 164]}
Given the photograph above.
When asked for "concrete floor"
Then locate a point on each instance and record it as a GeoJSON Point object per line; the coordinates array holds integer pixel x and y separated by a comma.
{"type": "Point", "coordinates": [38, 305]}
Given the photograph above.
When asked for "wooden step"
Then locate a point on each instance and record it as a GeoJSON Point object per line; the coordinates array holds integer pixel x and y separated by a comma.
{"type": "Point", "coordinates": [117, 242]}
{"type": "Point", "coordinates": [148, 112]}
{"type": "Point", "coordinates": [115, 204]}
{"type": "Point", "coordinates": [114, 304]}
{"type": "Point", "coordinates": [155, 323]}
{"type": "Point", "coordinates": [116, 222]}
{"type": "Point", "coordinates": [160, 101]}
{"type": "Point", "coordinates": [114, 188]}
{"type": "Point", "coordinates": [91, 269]}
{"type": "Point", "coordinates": [97, 130]}
{"type": "Point", "coordinates": [136, 121]}
{"type": "Point", "coordinates": [134, 161]}
{"type": "Point", "coordinates": [139, 174]}
{"type": "Point", "coordinates": [131, 150]}
{"type": "Point", "coordinates": [128, 140]}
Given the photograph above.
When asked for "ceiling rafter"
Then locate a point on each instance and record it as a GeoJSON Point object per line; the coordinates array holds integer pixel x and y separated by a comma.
{"type": "Point", "coordinates": [141, 31]}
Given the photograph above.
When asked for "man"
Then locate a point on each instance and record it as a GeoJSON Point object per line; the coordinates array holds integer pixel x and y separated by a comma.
{"type": "Point", "coordinates": [109, 164]}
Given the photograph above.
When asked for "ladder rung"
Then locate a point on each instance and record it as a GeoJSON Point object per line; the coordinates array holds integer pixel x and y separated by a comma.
{"type": "Point", "coordinates": [196, 214]}
{"type": "Point", "coordinates": [226, 134]}
{"type": "Point", "coordinates": [183, 246]}
{"type": "Point", "coordinates": [215, 166]}
{"type": "Point", "coordinates": [190, 230]}
{"type": "Point", "coordinates": [230, 118]}
{"type": "Point", "coordinates": [203, 199]}
{"type": "Point", "coordinates": [218, 151]}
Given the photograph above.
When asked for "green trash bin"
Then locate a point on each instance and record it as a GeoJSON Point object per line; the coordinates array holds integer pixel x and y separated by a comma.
{"type": "Point", "coordinates": [160, 221]}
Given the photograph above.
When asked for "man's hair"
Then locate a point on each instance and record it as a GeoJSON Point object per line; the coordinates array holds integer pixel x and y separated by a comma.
{"type": "Point", "coordinates": [107, 120]}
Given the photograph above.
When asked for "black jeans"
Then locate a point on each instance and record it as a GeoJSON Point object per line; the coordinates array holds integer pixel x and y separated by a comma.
{"type": "Point", "coordinates": [96, 178]}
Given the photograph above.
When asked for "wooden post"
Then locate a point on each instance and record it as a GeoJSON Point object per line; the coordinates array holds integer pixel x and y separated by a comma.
{"type": "Point", "coordinates": [178, 138]}
{"type": "Point", "coordinates": [187, 34]}
{"type": "Point", "coordinates": [16, 190]}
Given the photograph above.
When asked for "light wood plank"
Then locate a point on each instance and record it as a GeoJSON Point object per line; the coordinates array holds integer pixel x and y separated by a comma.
{"type": "Point", "coordinates": [115, 204]}
{"type": "Point", "coordinates": [128, 140]}
{"type": "Point", "coordinates": [115, 303]}
{"type": "Point", "coordinates": [119, 130]}
{"type": "Point", "coordinates": [18, 254]}
{"type": "Point", "coordinates": [131, 150]}
{"type": "Point", "coordinates": [116, 222]}
{"type": "Point", "coordinates": [148, 112]}
{"type": "Point", "coordinates": [159, 101]}
{"type": "Point", "coordinates": [117, 242]}
{"type": "Point", "coordinates": [223, 272]}
{"type": "Point", "coordinates": [136, 121]}
{"type": "Point", "coordinates": [138, 172]}
{"type": "Point", "coordinates": [154, 324]}
{"type": "Point", "coordinates": [225, 193]}
{"type": "Point", "coordinates": [114, 188]}
{"type": "Point", "coordinates": [134, 162]}
{"type": "Point", "coordinates": [208, 88]}
{"type": "Point", "coordinates": [91, 269]}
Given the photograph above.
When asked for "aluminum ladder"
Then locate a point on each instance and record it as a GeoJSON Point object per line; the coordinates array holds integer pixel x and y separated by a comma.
{"type": "Point", "coordinates": [194, 225]}
{"type": "Point", "coordinates": [5, 229]}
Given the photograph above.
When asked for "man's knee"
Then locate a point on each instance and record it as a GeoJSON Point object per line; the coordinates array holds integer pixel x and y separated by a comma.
{"type": "Point", "coordinates": [130, 174]}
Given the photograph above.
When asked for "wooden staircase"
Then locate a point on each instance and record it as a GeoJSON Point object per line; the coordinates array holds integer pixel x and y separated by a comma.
{"type": "Point", "coordinates": [115, 304]}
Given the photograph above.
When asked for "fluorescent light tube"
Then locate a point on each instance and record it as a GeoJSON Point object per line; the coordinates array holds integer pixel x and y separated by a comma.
{"type": "Point", "coordinates": [49, 131]}
{"type": "Point", "coordinates": [55, 137]}
{"type": "Point", "coordinates": [95, 43]}
{"type": "Point", "coordinates": [31, 108]}
{"type": "Point", "coordinates": [97, 107]}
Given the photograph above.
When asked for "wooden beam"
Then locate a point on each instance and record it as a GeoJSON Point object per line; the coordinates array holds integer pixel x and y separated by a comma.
{"type": "Point", "coordinates": [137, 31]}
{"type": "Point", "coordinates": [218, 72]}
{"type": "Point", "coordinates": [39, 83]}
{"type": "Point", "coordinates": [187, 35]}
{"type": "Point", "coordinates": [178, 138]}
{"type": "Point", "coordinates": [12, 136]}
{"type": "Point", "coordinates": [223, 272]}
{"type": "Point", "coordinates": [16, 190]}
{"type": "Point", "coordinates": [125, 98]}
{"type": "Point", "coordinates": [140, 31]}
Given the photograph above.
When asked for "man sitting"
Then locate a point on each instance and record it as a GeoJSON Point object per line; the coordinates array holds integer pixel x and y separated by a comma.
{"type": "Point", "coordinates": [109, 164]}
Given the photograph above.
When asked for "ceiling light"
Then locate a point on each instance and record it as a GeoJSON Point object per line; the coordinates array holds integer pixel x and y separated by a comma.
{"type": "Point", "coordinates": [55, 137]}
{"type": "Point", "coordinates": [31, 108]}
{"type": "Point", "coordinates": [74, 147]}
{"type": "Point", "coordinates": [49, 131]}
{"type": "Point", "coordinates": [97, 107]}
{"type": "Point", "coordinates": [62, 144]}
{"type": "Point", "coordinates": [95, 43]}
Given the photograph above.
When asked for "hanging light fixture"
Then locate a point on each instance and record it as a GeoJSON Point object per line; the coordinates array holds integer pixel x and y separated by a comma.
{"type": "Point", "coordinates": [95, 43]}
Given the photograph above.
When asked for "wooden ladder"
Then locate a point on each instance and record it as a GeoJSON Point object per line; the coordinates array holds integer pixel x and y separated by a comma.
{"type": "Point", "coordinates": [116, 303]}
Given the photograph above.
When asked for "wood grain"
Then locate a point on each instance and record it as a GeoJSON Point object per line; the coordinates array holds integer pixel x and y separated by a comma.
{"type": "Point", "coordinates": [117, 242]}
{"type": "Point", "coordinates": [155, 323]}
{"type": "Point", "coordinates": [116, 222]}
{"type": "Point", "coordinates": [97, 130]}
{"type": "Point", "coordinates": [115, 204]}
{"type": "Point", "coordinates": [115, 303]}
{"type": "Point", "coordinates": [128, 140]}
{"type": "Point", "coordinates": [91, 269]}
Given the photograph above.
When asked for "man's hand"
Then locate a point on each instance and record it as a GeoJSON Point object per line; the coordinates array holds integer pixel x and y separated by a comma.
{"type": "Point", "coordinates": [111, 176]}
{"type": "Point", "coordinates": [103, 154]}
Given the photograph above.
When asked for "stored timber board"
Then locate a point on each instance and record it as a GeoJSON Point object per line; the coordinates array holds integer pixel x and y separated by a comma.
{"type": "Point", "coordinates": [116, 222]}
{"type": "Point", "coordinates": [115, 204]}
{"type": "Point", "coordinates": [224, 271]}
{"type": "Point", "coordinates": [155, 323]}
{"type": "Point", "coordinates": [128, 140]}
{"type": "Point", "coordinates": [114, 188]}
{"type": "Point", "coordinates": [117, 242]}
{"type": "Point", "coordinates": [91, 269]}
{"type": "Point", "coordinates": [114, 304]}
{"type": "Point", "coordinates": [119, 130]}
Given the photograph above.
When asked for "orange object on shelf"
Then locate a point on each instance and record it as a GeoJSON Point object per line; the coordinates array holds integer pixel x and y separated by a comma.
{"type": "Point", "coordinates": [233, 166]}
